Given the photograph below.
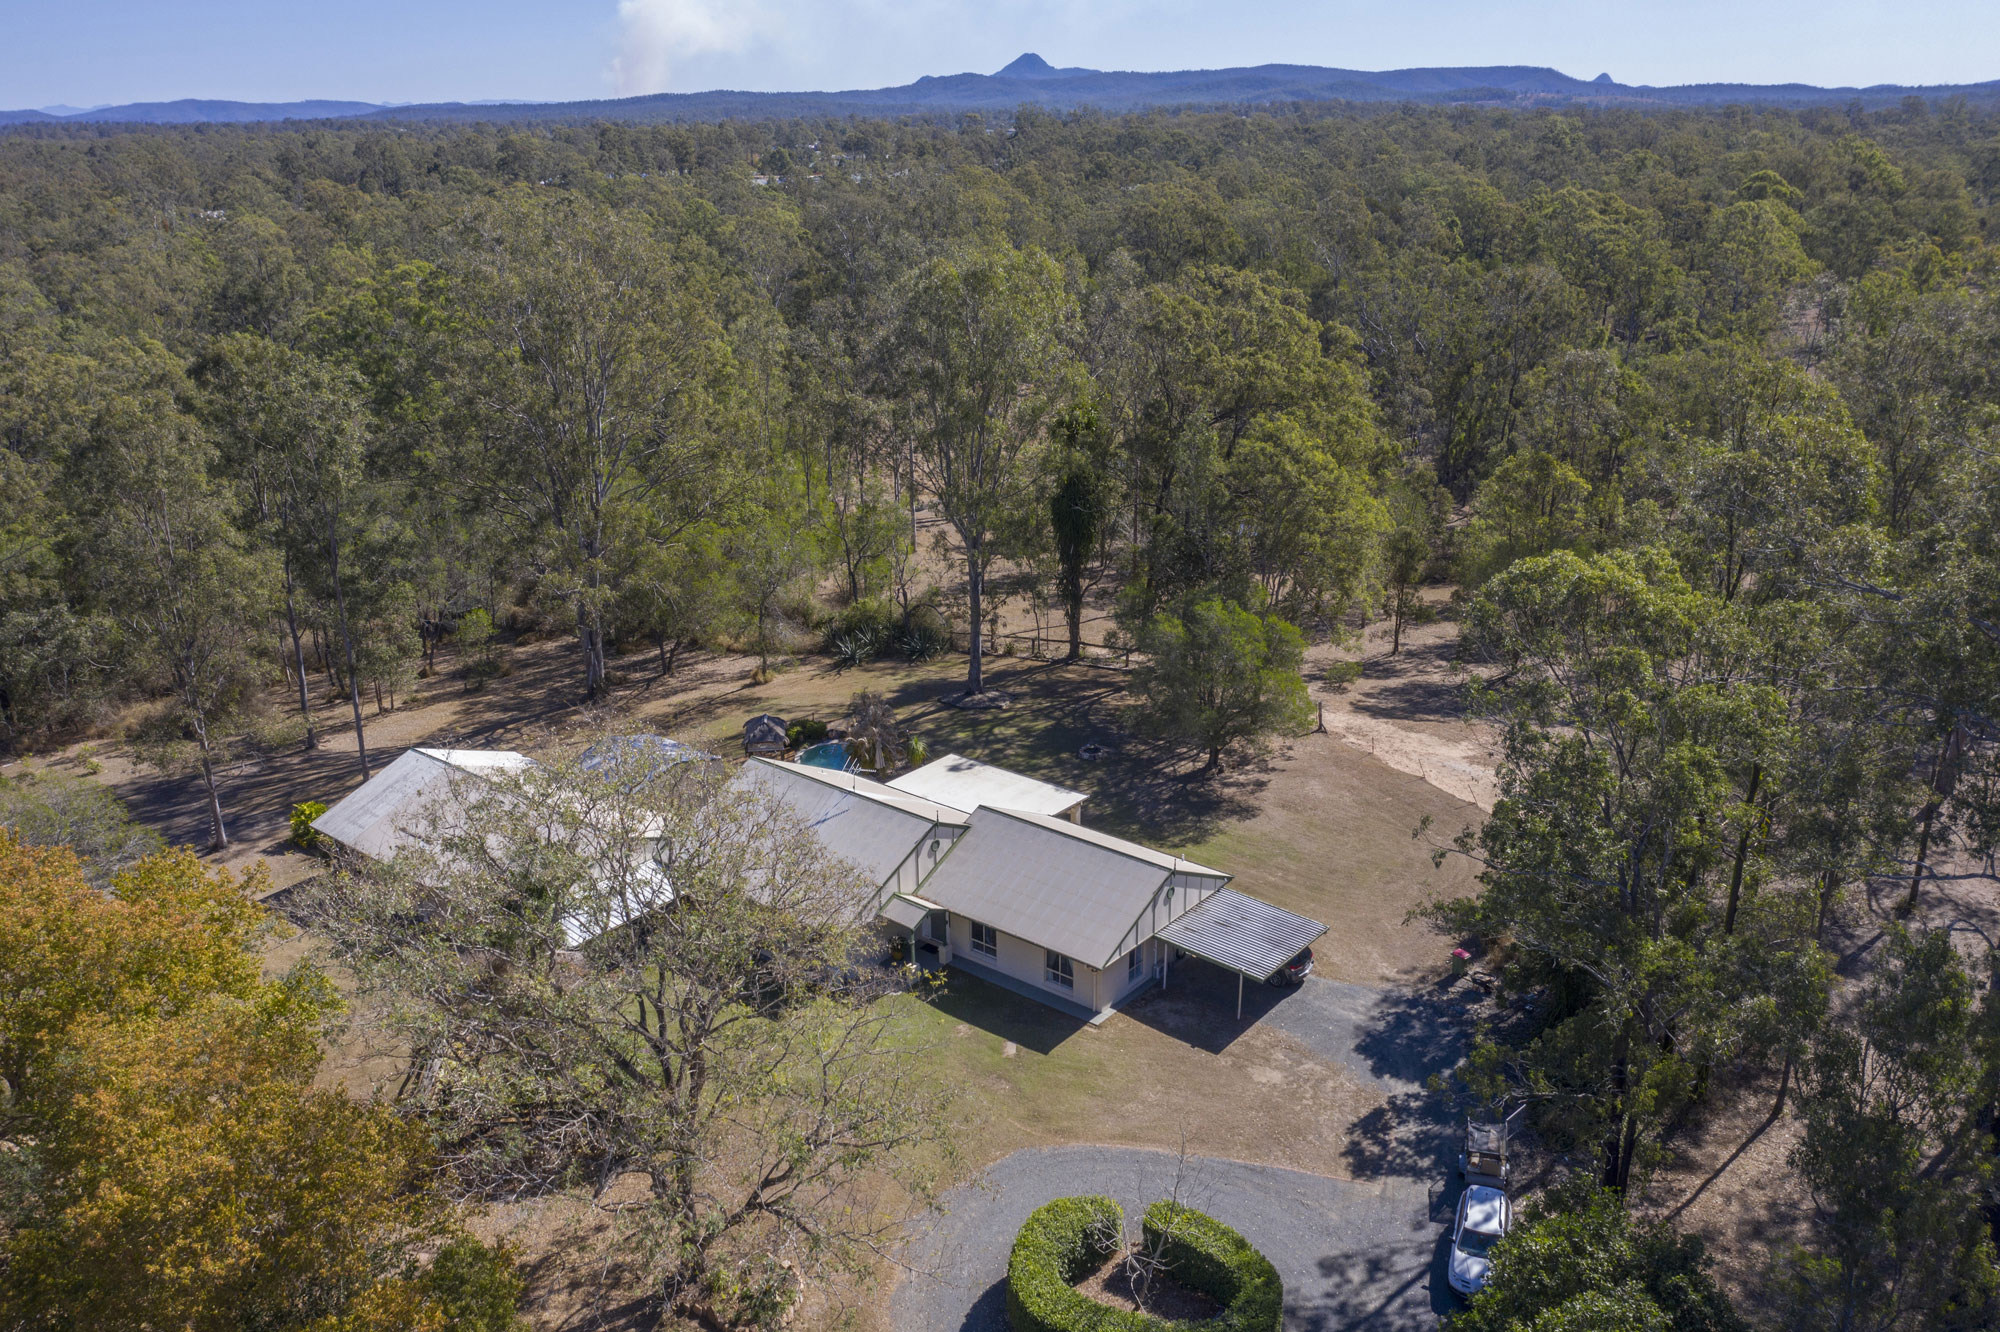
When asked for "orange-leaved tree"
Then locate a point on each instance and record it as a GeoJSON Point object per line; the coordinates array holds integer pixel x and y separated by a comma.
{"type": "Point", "coordinates": [170, 1161]}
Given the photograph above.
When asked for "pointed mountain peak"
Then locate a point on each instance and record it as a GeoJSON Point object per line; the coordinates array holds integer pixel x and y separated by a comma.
{"type": "Point", "coordinates": [1032, 66]}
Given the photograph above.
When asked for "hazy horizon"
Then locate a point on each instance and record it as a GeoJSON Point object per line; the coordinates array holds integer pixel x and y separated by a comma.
{"type": "Point", "coordinates": [102, 52]}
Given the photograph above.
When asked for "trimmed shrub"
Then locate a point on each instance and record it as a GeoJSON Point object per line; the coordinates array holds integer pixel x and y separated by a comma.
{"type": "Point", "coordinates": [1208, 1256]}
{"type": "Point", "coordinates": [1063, 1241]}
{"type": "Point", "coordinates": [805, 731]}
{"type": "Point", "coordinates": [1059, 1245]}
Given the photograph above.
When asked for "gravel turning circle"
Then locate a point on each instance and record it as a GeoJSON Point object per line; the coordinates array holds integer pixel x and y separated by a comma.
{"type": "Point", "coordinates": [1353, 1256]}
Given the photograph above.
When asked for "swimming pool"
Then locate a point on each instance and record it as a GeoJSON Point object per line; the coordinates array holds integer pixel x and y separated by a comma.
{"type": "Point", "coordinates": [828, 754]}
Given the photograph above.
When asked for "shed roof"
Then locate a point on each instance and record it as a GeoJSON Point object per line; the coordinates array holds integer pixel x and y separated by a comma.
{"type": "Point", "coordinates": [639, 757]}
{"type": "Point", "coordinates": [388, 809]}
{"type": "Point", "coordinates": [1052, 883]}
{"type": "Point", "coordinates": [968, 784]}
{"type": "Point", "coordinates": [861, 821]}
{"type": "Point", "coordinates": [1243, 934]}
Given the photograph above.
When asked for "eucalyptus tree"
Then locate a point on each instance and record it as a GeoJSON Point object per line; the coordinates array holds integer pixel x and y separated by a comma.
{"type": "Point", "coordinates": [1896, 1151]}
{"type": "Point", "coordinates": [178, 579]}
{"type": "Point", "coordinates": [295, 431]}
{"type": "Point", "coordinates": [977, 365]}
{"type": "Point", "coordinates": [594, 389]}
{"type": "Point", "coordinates": [1078, 511]}
{"type": "Point", "coordinates": [1637, 753]}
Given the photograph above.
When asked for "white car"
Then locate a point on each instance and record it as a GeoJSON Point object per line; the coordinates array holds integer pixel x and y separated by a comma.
{"type": "Point", "coordinates": [1483, 1217]}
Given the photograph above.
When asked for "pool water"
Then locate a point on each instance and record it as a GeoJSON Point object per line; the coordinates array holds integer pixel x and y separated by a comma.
{"type": "Point", "coordinates": [828, 754]}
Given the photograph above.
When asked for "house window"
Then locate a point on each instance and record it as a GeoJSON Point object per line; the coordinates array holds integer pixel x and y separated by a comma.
{"type": "Point", "coordinates": [1132, 965]}
{"type": "Point", "coordinates": [1058, 970]}
{"type": "Point", "coordinates": [985, 939]}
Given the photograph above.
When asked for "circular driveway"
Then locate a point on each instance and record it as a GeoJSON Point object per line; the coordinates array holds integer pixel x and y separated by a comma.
{"type": "Point", "coordinates": [1352, 1256]}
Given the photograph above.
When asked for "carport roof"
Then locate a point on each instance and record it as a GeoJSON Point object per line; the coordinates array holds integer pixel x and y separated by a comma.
{"type": "Point", "coordinates": [1243, 934]}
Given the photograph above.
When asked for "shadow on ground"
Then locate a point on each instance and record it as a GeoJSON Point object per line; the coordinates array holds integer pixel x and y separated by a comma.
{"type": "Point", "coordinates": [1139, 789]}
{"type": "Point", "coordinates": [1198, 1005]}
{"type": "Point", "coordinates": [1002, 1013]}
{"type": "Point", "coordinates": [1417, 684]}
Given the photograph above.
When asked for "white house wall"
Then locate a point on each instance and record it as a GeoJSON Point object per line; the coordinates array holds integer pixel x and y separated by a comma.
{"type": "Point", "coordinates": [1022, 961]}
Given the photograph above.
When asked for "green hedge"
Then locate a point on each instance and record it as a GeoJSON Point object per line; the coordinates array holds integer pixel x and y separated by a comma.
{"type": "Point", "coordinates": [1065, 1239]}
{"type": "Point", "coordinates": [1208, 1256]}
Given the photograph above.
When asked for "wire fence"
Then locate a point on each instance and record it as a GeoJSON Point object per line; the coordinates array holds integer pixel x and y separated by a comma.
{"type": "Point", "coordinates": [1042, 647]}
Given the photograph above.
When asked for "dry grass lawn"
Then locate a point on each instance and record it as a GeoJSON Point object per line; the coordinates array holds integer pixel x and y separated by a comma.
{"type": "Point", "coordinates": [1322, 825]}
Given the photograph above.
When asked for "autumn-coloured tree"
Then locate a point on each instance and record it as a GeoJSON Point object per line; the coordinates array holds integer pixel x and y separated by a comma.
{"type": "Point", "coordinates": [172, 1162]}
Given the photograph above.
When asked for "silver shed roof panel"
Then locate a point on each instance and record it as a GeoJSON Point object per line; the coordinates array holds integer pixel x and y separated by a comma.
{"type": "Point", "coordinates": [1243, 934]}
{"type": "Point", "coordinates": [389, 809]}
{"type": "Point", "coordinates": [968, 784]}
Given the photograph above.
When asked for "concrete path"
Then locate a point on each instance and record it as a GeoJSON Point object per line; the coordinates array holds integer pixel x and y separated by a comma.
{"type": "Point", "coordinates": [1354, 1257]}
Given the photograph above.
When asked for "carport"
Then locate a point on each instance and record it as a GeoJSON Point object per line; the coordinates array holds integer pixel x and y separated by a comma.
{"type": "Point", "coordinates": [1251, 938]}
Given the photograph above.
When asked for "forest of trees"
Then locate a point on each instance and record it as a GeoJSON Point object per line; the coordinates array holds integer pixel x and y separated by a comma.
{"type": "Point", "coordinates": [1698, 411]}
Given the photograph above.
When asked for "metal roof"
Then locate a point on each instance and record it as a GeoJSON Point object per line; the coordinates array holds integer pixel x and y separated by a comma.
{"type": "Point", "coordinates": [905, 911]}
{"type": "Point", "coordinates": [638, 757]}
{"type": "Point", "coordinates": [1052, 883]}
{"type": "Point", "coordinates": [1166, 860]}
{"type": "Point", "coordinates": [391, 807]}
{"type": "Point", "coordinates": [1243, 934]}
{"type": "Point", "coordinates": [860, 821]}
{"type": "Point", "coordinates": [968, 784]}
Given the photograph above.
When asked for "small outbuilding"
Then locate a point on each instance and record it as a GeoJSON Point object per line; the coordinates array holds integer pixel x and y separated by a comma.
{"type": "Point", "coordinates": [968, 784]}
{"type": "Point", "coordinates": [764, 735]}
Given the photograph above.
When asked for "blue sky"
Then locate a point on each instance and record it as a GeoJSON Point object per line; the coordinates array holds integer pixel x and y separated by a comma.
{"type": "Point", "coordinates": [83, 52]}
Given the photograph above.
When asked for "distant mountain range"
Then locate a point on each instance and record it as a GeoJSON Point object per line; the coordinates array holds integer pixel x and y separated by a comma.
{"type": "Point", "coordinates": [1030, 80]}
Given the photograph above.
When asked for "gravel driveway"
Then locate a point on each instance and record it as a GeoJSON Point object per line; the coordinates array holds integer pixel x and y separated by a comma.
{"type": "Point", "coordinates": [1391, 1037]}
{"type": "Point", "coordinates": [1352, 1256]}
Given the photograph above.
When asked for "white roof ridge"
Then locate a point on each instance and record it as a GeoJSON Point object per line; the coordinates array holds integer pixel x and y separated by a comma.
{"type": "Point", "coordinates": [867, 788]}
{"type": "Point", "coordinates": [1116, 845]}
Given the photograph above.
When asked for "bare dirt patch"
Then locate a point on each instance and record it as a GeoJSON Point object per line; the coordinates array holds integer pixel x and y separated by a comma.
{"type": "Point", "coordinates": [1408, 710]}
{"type": "Point", "coordinates": [1163, 1297]}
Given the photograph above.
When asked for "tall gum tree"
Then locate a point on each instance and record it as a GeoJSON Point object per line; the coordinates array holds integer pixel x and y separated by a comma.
{"type": "Point", "coordinates": [600, 363]}
{"type": "Point", "coordinates": [977, 364]}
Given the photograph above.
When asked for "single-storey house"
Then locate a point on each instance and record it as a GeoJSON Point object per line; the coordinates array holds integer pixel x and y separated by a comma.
{"type": "Point", "coordinates": [1026, 898]}
{"type": "Point", "coordinates": [968, 784]}
{"type": "Point", "coordinates": [1066, 914]}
